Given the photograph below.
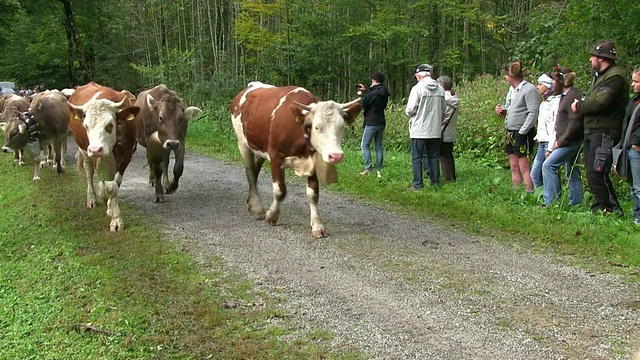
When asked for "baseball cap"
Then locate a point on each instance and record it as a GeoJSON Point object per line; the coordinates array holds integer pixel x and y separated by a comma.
{"type": "Point", "coordinates": [424, 68]}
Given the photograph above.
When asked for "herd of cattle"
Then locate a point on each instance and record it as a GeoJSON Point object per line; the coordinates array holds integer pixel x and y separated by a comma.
{"type": "Point", "coordinates": [288, 126]}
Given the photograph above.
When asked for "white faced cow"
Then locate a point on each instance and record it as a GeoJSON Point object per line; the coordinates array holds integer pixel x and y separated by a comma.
{"type": "Point", "coordinates": [291, 128]}
{"type": "Point", "coordinates": [161, 128]}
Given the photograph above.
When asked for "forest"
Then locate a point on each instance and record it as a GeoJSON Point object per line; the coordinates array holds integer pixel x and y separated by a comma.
{"type": "Point", "coordinates": [208, 49]}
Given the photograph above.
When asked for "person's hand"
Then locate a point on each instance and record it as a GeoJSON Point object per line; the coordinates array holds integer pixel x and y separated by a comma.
{"type": "Point", "coordinates": [635, 147]}
{"type": "Point", "coordinates": [499, 110]}
{"type": "Point", "coordinates": [574, 105]}
{"type": "Point", "coordinates": [547, 153]}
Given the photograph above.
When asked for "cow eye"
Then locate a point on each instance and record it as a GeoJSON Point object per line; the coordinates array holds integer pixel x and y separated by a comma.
{"type": "Point", "coordinates": [160, 119]}
{"type": "Point", "coordinates": [109, 128]}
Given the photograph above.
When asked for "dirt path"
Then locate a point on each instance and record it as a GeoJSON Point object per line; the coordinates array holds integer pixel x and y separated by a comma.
{"type": "Point", "coordinates": [393, 286]}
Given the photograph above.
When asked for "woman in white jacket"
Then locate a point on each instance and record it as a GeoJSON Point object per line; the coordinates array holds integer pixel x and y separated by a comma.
{"type": "Point", "coordinates": [546, 133]}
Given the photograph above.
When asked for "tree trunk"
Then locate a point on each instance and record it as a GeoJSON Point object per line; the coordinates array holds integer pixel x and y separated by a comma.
{"type": "Point", "coordinates": [70, 26]}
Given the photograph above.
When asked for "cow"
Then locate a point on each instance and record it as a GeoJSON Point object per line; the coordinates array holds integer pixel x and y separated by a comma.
{"type": "Point", "coordinates": [101, 122]}
{"type": "Point", "coordinates": [161, 127]}
{"type": "Point", "coordinates": [12, 106]}
{"type": "Point", "coordinates": [46, 122]}
{"type": "Point", "coordinates": [292, 129]}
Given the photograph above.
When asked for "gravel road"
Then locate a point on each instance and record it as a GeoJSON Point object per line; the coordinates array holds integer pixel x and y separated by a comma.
{"type": "Point", "coordinates": [393, 286]}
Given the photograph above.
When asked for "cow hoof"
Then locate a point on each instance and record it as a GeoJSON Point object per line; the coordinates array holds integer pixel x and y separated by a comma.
{"type": "Point", "coordinates": [91, 204]}
{"type": "Point", "coordinates": [36, 178]}
{"type": "Point", "coordinates": [317, 233]}
{"type": "Point", "coordinates": [116, 225]}
{"type": "Point", "coordinates": [21, 163]}
{"type": "Point", "coordinates": [158, 199]}
{"type": "Point", "coordinates": [272, 217]}
{"type": "Point", "coordinates": [152, 184]}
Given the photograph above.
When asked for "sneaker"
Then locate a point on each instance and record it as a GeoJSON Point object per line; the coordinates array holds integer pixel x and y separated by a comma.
{"type": "Point", "coordinates": [412, 189]}
{"type": "Point", "coordinates": [636, 221]}
{"type": "Point", "coordinates": [378, 173]}
{"type": "Point", "coordinates": [365, 172]}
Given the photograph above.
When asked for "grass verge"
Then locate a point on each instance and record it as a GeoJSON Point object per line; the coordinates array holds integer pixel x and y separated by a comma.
{"type": "Point", "coordinates": [70, 289]}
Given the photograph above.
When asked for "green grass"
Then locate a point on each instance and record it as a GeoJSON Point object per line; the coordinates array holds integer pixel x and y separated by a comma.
{"type": "Point", "coordinates": [70, 289]}
{"type": "Point", "coordinates": [482, 201]}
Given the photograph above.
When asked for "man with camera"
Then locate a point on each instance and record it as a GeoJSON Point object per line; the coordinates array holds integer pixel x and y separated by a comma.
{"type": "Point", "coordinates": [603, 109]}
{"type": "Point", "coordinates": [374, 102]}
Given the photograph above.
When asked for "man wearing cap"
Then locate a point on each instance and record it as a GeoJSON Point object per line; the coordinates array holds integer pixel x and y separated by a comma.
{"type": "Point", "coordinates": [521, 107]}
{"type": "Point", "coordinates": [603, 109]}
{"type": "Point", "coordinates": [425, 108]}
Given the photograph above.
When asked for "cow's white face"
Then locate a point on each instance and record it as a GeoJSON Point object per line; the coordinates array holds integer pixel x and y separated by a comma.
{"type": "Point", "coordinates": [325, 122]}
{"type": "Point", "coordinates": [326, 127]}
{"type": "Point", "coordinates": [100, 123]}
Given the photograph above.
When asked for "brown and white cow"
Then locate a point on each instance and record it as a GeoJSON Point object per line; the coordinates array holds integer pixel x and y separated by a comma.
{"type": "Point", "coordinates": [47, 122]}
{"type": "Point", "coordinates": [12, 107]}
{"type": "Point", "coordinates": [102, 125]}
{"type": "Point", "coordinates": [162, 127]}
{"type": "Point", "coordinates": [292, 129]}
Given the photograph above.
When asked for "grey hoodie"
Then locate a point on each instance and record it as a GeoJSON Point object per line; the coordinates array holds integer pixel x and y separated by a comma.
{"type": "Point", "coordinates": [426, 108]}
{"type": "Point", "coordinates": [450, 117]}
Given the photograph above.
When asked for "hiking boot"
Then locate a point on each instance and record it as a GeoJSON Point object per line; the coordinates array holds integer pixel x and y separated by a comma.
{"type": "Point", "coordinates": [378, 173]}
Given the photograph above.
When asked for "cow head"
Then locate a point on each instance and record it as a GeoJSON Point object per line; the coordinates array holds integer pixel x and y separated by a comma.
{"type": "Point", "coordinates": [16, 134]}
{"type": "Point", "coordinates": [101, 119]}
{"type": "Point", "coordinates": [324, 125]}
{"type": "Point", "coordinates": [173, 119]}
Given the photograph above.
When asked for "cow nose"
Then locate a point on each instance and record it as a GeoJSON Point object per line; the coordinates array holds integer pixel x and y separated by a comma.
{"type": "Point", "coordinates": [335, 158]}
{"type": "Point", "coordinates": [171, 144]}
{"type": "Point", "coordinates": [94, 150]}
{"type": "Point", "coordinates": [5, 149]}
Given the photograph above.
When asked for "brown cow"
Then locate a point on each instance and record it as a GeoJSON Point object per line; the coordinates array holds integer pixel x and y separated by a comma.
{"type": "Point", "coordinates": [12, 106]}
{"type": "Point", "coordinates": [47, 122]}
{"type": "Point", "coordinates": [162, 126]}
{"type": "Point", "coordinates": [291, 128]}
{"type": "Point", "coordinates": [101, 124]}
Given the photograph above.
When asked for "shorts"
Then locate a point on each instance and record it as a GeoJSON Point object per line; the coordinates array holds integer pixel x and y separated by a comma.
{"type": "Point", "coordinates": [520, 145]}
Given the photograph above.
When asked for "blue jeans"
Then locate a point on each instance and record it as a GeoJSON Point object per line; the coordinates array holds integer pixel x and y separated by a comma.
{"type": "Point", "coordinates": [536, 168]}
{"type": "Point", "coordinates": [429, 148]}
{"type": "Point", "coordinates": [566, 156]}
{"type": "Point", "coordinates": [372, 133]}
{"type": "Point", "coordinates": [634, 180]}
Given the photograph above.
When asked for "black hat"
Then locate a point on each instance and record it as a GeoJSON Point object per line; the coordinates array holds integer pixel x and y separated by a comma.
{"type": "Point", "coordinates": [605, 49]}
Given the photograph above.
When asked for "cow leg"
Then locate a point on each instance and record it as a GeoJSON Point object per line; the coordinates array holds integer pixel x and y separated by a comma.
{"type": "Point", "coordinates": [113, 208]}
{"type": "Point", "coordinates": [251, 169]}
{"type": "Point", "coordinates": [58, 153]}
{"type": "Point", "coordinates": [20, 157]}
{"type": "Point", "coordinates": [313, 194]}
{"type": "Point", "coordinates": [87, 165]}
{"type": "Point", "coordinates": [164, 165]}
{"type": "Point", "coordinates": [279, 191]}
{"type": "Point", "coordinates": [178, 168]}
{"type": "Point", "coordinates": [157, 167]}
{"type": "Point", "coordinates": [38, 160]}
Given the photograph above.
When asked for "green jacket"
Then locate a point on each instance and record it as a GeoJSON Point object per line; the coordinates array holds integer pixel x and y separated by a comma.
{"type": "Point", "coordinates": [604, 106]}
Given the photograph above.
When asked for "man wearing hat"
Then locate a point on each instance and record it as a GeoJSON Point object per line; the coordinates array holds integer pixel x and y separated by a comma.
{"type": "Point", "coordinates": [603, 109]}
{"type": "Point", "coordinates": [425, 108]}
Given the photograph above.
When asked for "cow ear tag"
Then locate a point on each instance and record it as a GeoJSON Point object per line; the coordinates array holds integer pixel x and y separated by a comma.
{"type": "Point", "coordinates": [130, 117]}
{"type": "Point", "coordinates": [76, 116]}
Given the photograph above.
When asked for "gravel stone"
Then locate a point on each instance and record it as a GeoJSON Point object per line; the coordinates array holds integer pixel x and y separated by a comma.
{"type": "Point", "coordinates": [394, 286]}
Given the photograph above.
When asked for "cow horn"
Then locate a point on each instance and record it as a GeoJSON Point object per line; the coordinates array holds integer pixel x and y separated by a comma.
{"type": "Point", "coordinates": [350, 104]}
{"type": "Point", "coordinates": [150, 101]}
{"type": "Point", "coordinates": [308, 107]}
{"type": "Point", "coordinates": [118, 104]}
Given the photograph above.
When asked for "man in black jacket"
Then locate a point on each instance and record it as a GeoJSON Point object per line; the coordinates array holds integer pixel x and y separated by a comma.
{"type": "Point", "coordinates": [374, 102]}
{"type": "Point", "coordinates": [603, 110]}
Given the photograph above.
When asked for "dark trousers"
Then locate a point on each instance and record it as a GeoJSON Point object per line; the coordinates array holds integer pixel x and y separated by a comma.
{"type": "Point", "coordinates": [598, 160]}
{"type": "Point", "coordinates": [424, 153]}
{"type": "Point", "coordinates": [447, 162]}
